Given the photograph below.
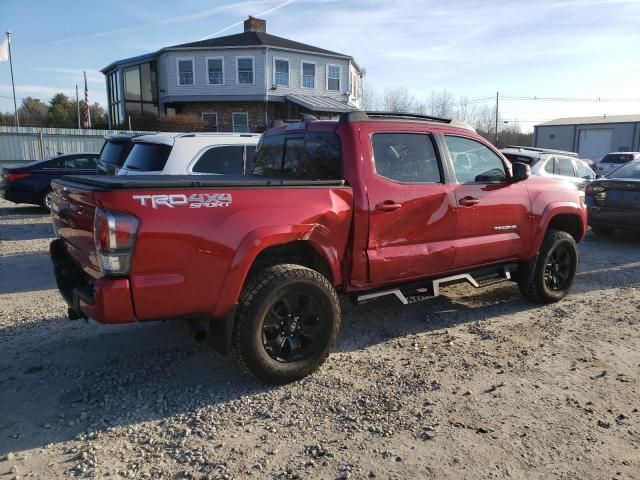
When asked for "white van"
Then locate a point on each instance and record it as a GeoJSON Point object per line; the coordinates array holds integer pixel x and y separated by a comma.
{"type": "Point", "coordinates": [191, 153]}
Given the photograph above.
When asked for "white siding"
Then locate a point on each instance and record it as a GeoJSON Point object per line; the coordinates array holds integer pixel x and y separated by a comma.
{"type": "Point", "coordinates": [295, 73]}
{"type": "Point", "coordinates": [201, 82]}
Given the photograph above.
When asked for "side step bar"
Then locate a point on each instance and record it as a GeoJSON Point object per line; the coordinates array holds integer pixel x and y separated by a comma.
{"type": "Point", "coordinates": [435, 286]}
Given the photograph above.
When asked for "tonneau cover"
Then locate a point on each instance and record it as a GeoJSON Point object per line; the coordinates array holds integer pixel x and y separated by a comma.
{"type": "Point", "coordinates": [123, 182]}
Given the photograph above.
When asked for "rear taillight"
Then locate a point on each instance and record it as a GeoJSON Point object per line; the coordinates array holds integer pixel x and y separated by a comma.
{"type": "Point", "coordinates": [14, 177]}
{"type": "Point", "coordinates": [114, 234]}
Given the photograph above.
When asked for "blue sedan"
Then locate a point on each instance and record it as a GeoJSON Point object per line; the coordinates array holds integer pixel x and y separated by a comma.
{"type": "Point", "coordinates": [30, 182]}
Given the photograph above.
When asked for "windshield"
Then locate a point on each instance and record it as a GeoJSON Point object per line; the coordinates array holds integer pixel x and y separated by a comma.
{"type": "Point", "coordinates": [148, 157]}
{"type": "Point", "coordinates": [113, 152]}
{"type": "Point", "coordinates": [630, 170]}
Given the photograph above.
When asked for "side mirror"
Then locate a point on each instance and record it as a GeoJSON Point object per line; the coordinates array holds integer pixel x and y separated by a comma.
{"type": "Point", "coordinates": [520, 171]}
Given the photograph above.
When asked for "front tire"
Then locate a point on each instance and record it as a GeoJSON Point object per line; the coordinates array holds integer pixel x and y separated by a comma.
{"type": "Point", "coordinates": [554, 270]}
{"type": "Point", "coordinates": [287, 322]}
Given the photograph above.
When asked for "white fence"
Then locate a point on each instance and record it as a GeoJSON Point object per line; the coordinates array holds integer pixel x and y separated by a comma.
{"type": "Point", "coordinates": [35, 143]}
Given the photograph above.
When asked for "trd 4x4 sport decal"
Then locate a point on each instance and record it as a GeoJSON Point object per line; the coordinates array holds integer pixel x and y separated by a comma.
{"type": "Point", "coordinates": [196, 200]}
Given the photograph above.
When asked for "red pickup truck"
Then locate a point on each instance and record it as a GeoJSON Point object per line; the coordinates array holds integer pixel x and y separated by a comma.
{"type": "Point", "coordinates": [368, 205]}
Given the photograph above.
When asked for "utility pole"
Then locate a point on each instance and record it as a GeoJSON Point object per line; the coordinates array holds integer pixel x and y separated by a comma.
{"type": "Point", "coordinates": [497, 116]}
{"type": "Point", "coordinates": [78, 106]}
{"type": "Point", "coordinates": [13, 85]}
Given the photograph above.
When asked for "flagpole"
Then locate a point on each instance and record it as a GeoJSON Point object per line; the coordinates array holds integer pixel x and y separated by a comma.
{"type": "Point", "coordinates": [78, 106]}
{"type": "Point", "coordinates": [13, 85]}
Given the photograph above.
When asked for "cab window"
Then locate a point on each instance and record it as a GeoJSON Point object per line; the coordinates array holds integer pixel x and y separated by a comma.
{"type": "Point", "coordinates": [473, 162]}
{"type": "Point", "coordinates": [406, 157]}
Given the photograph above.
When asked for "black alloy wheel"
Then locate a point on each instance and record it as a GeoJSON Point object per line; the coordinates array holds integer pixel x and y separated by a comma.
{"type": "Point", "coordinates": [295, 326]}
{"type": "Point", "coordinates": [558, 268]}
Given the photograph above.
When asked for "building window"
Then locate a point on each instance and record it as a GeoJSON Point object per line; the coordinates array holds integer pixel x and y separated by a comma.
{"type": "Point", "coordinates": [141, 89]}
{"type": "Point", "coordinates": [308, 75]}
{"type": "Point", "coordinates": [114, 96]}
{"type": "Point", "coordinates": [240, 122]}
{"type": "Point", "coordinates": [215, 71]}
{"type": "Point", "coordinates": [333, 77]}
{"type": "Point", "coordinates": [185, 71]}
{"type": "Point", "coordinates": [245, 70]}
{"type": "Point", "coordinates": [281, 71]}
{"type": "Point", "coordinates": [210, 120]}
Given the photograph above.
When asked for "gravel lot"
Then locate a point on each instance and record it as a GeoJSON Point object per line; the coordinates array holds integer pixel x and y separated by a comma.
{"type": "Point", "coordinates": [477, 384]}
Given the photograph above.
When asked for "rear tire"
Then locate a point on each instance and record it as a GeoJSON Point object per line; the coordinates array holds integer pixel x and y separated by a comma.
{"type": "Point", "coordinates": [287, 322]}
{"type": "Point", "coordinates": [554, 270]}
{"type": "Point", "coordinates": [47, 199]}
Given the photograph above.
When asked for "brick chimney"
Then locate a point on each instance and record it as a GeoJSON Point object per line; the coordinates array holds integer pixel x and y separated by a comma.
{"type": "Point", "coordinates": [253, 24]}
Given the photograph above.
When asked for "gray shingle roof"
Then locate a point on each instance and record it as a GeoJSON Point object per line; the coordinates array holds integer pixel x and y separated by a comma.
{"type": "Point", "coordinates": [319, 103]}
{"type": "Point", "coordinates": [248, 39]}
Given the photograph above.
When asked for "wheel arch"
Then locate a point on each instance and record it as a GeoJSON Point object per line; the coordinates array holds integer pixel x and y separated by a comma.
{"type": "Point", "coordinates": [306, 245]}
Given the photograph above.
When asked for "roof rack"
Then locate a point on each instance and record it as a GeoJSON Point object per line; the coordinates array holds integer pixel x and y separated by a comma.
{"type": "Point", "coordinates": [362, 116]}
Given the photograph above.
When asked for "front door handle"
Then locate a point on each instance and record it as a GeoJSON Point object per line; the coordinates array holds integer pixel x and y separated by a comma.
{"type": "Point", "coordinates": [468, 201]}
{"type": "Point", "coordinates": [388, 206]}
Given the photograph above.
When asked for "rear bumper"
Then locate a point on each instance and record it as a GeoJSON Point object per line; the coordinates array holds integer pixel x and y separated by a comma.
{"type": "Point", "coordinates": [8, 194]}
{"type": "Point", "coordinates": [628, 219]}
{"type": "Point", "coordinates": [105, 300]}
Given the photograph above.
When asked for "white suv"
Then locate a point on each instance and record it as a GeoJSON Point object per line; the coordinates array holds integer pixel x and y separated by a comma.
{"type": "Point", "coordinates": [191, 153]}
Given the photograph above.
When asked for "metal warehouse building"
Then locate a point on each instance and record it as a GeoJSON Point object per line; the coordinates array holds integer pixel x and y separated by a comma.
{"type": "Point", "coordinates": [591, 137]}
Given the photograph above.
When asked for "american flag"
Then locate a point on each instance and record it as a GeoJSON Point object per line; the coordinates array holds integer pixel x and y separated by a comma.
{"type": "Point", "coordinates": [86, 115]}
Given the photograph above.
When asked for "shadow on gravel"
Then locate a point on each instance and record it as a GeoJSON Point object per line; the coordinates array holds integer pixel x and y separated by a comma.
{"type": "Point", "coordinates": [18, 212]}
{"type": "Point", "coordinates": [26, 272]}
{"type": "Point", "coordinates": [27, 231]}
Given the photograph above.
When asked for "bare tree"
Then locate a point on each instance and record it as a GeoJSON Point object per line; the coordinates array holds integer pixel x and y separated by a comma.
{"type": "Point", "coordinates": [398, 99]}
{"type": "Point", "coordinates": [370, 97]}
{"type": "Point", "coordinates": [441, 104]}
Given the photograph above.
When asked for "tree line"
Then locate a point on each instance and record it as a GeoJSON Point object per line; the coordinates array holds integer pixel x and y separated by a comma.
{"type": "Point", "coordinates": [61, 112]}
{"type": "Point", "coordinates": [445, 105]}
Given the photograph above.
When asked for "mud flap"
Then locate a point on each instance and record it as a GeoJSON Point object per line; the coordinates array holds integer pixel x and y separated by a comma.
{"type": "Point", "coordinates": [220, 332]}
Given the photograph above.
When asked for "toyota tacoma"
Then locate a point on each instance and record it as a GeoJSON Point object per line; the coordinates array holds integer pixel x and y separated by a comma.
{"type": "Point", "coordinates": [368, 205]}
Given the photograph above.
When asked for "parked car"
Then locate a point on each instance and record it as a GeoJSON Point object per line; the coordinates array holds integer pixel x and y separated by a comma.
{"type": "Point", "coordinates": [191, 153]}
{"type": "Point", "coordinates": [613, 160]}
{"type": "Point", "coordinates": [368, 205]}
{"type": "Point", "coordinates": [114, 152]}
{"type": "Point", "coordinates": [614, 201]}
{"type": "Point", "coordinates": [553, 164]}
{"type": "Point", "coordinates": [30, 182]}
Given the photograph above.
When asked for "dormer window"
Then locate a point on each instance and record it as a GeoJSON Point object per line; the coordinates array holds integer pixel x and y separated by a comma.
{"type": "Point", "coordinates": [185, 71]}
{"type": "Point", "coordinates": [245, 70]}
{"type": "Point", "coordinates": [333, 77]}
{"type": "Point", "coordinates": [308, 75]}
{"type": "Point", "coordinates": [281, 71]}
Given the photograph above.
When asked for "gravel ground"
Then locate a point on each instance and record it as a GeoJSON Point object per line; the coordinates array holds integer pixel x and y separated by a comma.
{"type": "Point", "coordinates": [477, 384]}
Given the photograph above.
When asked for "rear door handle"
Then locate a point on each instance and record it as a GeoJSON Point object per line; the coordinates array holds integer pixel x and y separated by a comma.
{"type": "Point", "coordinates": [388, 206]}
{"type": "Point", "coordinates": [468, 201]}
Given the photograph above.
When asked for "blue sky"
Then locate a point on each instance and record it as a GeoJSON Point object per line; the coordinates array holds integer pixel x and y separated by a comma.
{"type": "Point", "coordinates": [549, 48]}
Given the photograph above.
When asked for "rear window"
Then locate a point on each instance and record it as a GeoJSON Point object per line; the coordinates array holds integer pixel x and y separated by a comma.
{"type": "Point", "coordinates": [114, 152]}
{"type": "Point", "coordinates": [148, 157]}
{"type": "Point", "coordinates": [617, 158]}
{"type": "Point", "coordinates": [226, 159]}
{"type": "Point", "coordinates": [630, 170]}
{"type": "Point", "coordinates": [311, 156]}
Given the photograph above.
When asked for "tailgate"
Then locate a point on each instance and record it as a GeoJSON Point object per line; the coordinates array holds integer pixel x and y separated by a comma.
{"type": "Point", "coordinates": [72, 214]}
